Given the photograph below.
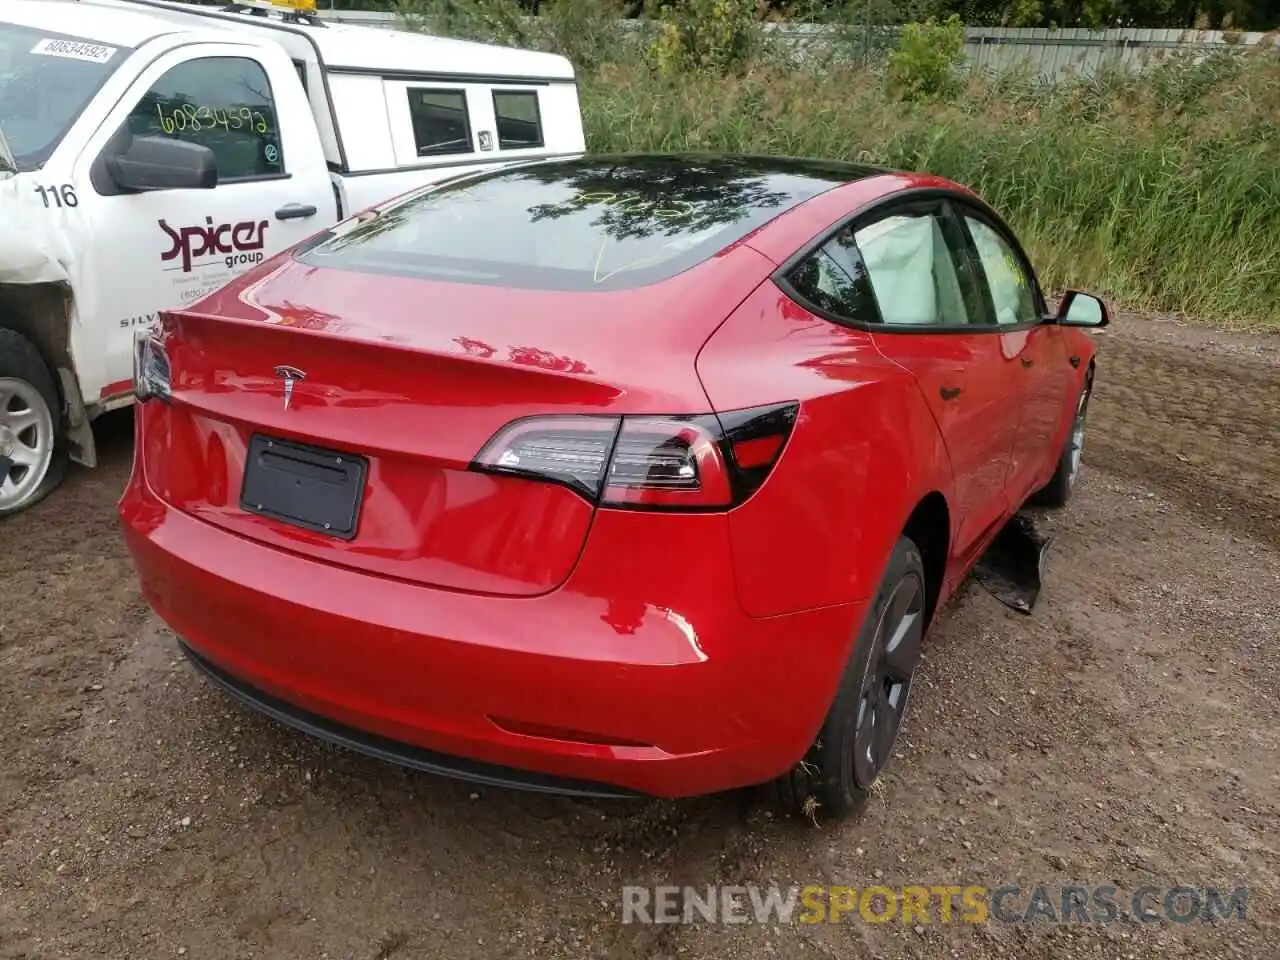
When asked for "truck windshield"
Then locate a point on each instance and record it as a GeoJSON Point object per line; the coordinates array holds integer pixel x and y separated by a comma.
{"type": "Point", "coordinates": [46, 79]}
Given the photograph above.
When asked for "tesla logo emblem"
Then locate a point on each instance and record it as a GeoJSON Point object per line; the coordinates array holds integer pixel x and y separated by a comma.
{"type": "Point", "coordinates": [290, 376]}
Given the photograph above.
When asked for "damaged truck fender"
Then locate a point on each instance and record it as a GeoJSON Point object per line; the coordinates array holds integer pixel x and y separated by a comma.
{"type": "Point", "coordinates": [36, 301]}
{"type": "Point", "coordinates": [42, 313]}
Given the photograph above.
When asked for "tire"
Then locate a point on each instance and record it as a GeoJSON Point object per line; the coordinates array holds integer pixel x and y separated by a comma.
{"type": "Point", "coordinates": [837, 775]}
{"type": "Point", "coordinates": [33, 456]}
{"type": "Point", "coordinates": [1062, 484]}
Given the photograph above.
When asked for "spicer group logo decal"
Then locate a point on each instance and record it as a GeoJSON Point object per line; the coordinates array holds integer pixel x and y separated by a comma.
{"type": "Point", "coordinates": [230, 244]}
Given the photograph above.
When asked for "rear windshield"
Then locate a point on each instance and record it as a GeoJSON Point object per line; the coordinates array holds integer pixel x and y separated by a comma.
{"type": "Point", "coordinates": [591, 224]}
{"type": "Point", "coordinates": [46, 79]}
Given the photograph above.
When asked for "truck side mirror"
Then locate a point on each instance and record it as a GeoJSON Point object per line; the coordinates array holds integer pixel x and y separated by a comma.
{"type": "Point", "coordinates": [157, 163]}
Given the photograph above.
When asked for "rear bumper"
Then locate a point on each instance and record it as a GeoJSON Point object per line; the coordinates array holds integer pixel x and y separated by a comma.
{"type": "Point", "coordinates": [633, 677]}
{"type": "Point", "coordinates": [391, 750]}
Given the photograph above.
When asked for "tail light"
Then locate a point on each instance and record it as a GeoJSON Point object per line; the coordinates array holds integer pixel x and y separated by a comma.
{"type": "Point", "coordinates": [701, 462]}
{"type": "Point", "coordinates": [151, 371]}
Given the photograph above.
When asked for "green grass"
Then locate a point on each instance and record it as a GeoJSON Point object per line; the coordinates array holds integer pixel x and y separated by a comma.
{"type": "Point", "coordinates": [1160, 192]}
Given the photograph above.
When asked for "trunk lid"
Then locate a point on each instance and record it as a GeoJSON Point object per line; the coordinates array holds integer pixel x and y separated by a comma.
{"type": "Point", "coordinates": [412, 378]}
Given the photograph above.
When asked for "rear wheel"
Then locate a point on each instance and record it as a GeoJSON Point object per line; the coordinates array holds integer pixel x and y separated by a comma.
{"type": "Point", "coordinates": [32, 455]}
{"type": "Point", "coordinates": [857, 738]}
{"type": "Point", "coordinates": [1058, 490]}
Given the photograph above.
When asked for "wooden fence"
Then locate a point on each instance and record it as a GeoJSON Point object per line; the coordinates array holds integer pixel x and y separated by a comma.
{"type": "Point", "coordinates": [1051, 54]}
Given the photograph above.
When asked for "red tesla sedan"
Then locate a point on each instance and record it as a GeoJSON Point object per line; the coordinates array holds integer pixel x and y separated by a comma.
{"type": "Point", "coordinates": [616, 475]}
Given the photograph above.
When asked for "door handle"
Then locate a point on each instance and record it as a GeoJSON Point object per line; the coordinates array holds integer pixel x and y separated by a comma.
{"type": "Point", "coordinates": [949, 393]}
{"type": "Point", "coordinates": [296, 211]}
{"type": "Point", "coordinates": [1027, 363]}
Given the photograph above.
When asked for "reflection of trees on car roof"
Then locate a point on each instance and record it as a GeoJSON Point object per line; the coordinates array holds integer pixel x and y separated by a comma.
{"type": "Point", "coordinates": [577, 224]}
{"type": "Point", "coordinates": [673, 199]}
{"type": "Point", "coordinates": [637, 197]}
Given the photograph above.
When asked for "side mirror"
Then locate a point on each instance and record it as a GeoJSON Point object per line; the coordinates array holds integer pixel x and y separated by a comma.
{"type": "Point", "coordinates": [156, 163]}
{"type": "Point", "coordinates": [1082, 310]}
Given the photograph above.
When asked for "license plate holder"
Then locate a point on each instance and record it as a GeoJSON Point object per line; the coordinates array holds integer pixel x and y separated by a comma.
{"type": "Point", "coordinates": [316, 489]}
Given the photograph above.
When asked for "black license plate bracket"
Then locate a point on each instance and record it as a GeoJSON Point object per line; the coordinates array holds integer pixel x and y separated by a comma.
{"type": "Point", "coordinates": [308, 487]}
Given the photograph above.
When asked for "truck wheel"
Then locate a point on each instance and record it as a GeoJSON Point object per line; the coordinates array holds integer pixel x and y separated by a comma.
{"type": "Point", "coordinates": [32, 448]}
{"type": "Point", "coordinates": [857, 739]}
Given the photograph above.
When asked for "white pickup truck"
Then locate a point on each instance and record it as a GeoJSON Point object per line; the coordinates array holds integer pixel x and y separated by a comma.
{"type": "Point", "coordinates": [151, 150]}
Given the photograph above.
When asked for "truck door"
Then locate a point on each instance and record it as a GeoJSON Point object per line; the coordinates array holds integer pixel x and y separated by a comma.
{"type": "Point", "coordinates": [167, 248]}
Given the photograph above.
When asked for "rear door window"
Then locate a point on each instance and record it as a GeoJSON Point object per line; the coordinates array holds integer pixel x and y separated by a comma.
{"type": "Point", "coordinates": [918, 269]}
{"type": "Point", "coordinates": [518, 119]}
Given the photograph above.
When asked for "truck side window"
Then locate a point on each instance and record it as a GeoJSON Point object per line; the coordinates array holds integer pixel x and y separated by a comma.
{"type": "Point", "coordinates": [441, 123]}
{"type": "Point", "coordinates": [519, 122]}
{"type": "Point", "coordinates": [223, 103]}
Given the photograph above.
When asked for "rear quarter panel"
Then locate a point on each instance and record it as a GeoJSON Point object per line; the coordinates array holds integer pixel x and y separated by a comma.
{"type": "Point", "coordinates": [864, 452]}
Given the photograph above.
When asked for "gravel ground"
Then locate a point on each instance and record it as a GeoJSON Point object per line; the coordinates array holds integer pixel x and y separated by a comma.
{"type": "Point", "coordinates": [1125, 734]}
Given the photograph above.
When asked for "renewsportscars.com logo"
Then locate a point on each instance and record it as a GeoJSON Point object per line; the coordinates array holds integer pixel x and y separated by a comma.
{"type": "Point", "coordinates": [918, 904]}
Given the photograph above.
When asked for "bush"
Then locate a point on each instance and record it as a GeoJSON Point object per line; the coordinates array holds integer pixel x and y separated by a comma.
{"type": "Point", "coordinates": [707, 35]}
{"type": "Point", "coordinates": [588, 32]}
{"type": "Point", "coordinates": [487, 21]}
{"type": "Point", "coordinates": [926, 65]}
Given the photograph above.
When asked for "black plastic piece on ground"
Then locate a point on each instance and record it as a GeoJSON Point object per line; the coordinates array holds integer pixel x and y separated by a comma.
{"type": "Point", "coordinates": [402, 754]}
{"type": "Point", "coordinates": [1012, 569]}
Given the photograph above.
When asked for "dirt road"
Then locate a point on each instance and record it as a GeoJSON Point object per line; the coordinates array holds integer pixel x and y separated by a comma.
{"type": "Point", "coordinates": [1126, 735]}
